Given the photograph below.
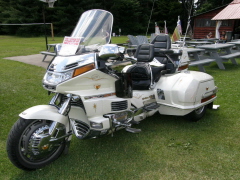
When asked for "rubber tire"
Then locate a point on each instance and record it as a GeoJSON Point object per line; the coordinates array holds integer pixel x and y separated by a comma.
{"type": "Point", "coordinates": [13, 147]}
{"type": "Point", "coordinates": [197, 114]}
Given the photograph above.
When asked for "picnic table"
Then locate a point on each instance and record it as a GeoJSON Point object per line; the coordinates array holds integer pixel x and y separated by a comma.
{"type": "Point", "coordinates": [186, 38]}
{"type": "Point", "coordinates": [196, 59]}
{"type": "Point", "coordinates": [135, 41]}
{"type": "Point", "coordinates": [214, 53]}
{"type": "Point", "coordinates": [236, 43]}
{"type": "Point", "coordinates": [49, 52]}
{"type": "Point", "coordinates": [235, 40]}
{"type": "Point", "coordinates": [207, 39]}
{"type": "Point", "coordinates": [197, 43]}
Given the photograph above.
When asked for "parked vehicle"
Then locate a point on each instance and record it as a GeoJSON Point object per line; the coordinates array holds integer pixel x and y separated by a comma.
{"type": "Point", "coordinates": [90, 99]}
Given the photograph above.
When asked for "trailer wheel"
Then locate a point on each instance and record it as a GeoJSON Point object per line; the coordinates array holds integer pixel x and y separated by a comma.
{"type": "Point", "coordinates": [197, 114]}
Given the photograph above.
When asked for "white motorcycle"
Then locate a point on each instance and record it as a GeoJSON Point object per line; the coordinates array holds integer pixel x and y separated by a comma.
{"type": "Point", "coordinates": [91, 99]}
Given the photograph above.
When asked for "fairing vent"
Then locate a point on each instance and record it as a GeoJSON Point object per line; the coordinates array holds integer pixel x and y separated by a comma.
{"type": "Point", "coordinates": [70, 66]}
{"type": "Point", "coordinates": [81, 129]}
{"type": "Point", "coordinates": [119, 105]}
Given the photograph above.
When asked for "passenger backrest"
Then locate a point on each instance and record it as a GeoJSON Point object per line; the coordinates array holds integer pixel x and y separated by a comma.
{"type": "Point", "coordinates": [161, 41]}
{"type": "Point", "coordinates": [144, 53]}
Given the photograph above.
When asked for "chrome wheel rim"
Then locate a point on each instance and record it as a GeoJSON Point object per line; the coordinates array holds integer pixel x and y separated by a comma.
{"type": "Point", "coordinates": [34, 145]}
{"type": "Point", "coordinates": [199, 110]}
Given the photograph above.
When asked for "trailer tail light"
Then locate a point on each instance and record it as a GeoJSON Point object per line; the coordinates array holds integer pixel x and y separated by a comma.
{"type": "Point", "coordinates": [208, 98]}
{"type": "Point", "coordinates": [182, 67]}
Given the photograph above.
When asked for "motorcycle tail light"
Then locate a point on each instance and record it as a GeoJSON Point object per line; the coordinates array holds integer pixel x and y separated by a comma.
{"type": "Point", "coordinates": [83, 69]}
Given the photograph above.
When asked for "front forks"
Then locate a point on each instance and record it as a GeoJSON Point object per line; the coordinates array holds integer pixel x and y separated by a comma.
{"type": "Point", "coordinates": [63, 108]}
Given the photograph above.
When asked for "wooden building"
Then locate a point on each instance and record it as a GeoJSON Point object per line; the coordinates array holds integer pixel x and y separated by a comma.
{"type": "Point", "coordinates": [203, 24]}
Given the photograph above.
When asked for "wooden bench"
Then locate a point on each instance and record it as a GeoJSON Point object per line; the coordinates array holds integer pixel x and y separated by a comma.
{"type": "Point", "coordinates": [201, 63]}
{"type": "Point", "coordinates": [46, 53]}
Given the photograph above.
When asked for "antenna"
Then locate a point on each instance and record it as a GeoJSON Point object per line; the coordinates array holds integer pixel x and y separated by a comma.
{"type": "Point", "coordinates": [150, 16]}
{"type": "Point", "coordinates": [188, 24]}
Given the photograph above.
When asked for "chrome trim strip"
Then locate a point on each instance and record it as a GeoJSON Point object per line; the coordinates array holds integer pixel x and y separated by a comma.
{"type": "Point", "coordinates": [65, 107]}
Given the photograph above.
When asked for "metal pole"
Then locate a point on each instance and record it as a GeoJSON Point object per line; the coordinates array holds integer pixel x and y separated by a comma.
{"type": "Point", "coordinates": [52, 31]}
{"type": "Point", "coordinates": [45, 29]}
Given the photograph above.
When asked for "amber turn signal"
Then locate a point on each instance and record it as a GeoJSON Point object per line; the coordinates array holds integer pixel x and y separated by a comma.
{"type": "Point", "coordinates": [83, 69]}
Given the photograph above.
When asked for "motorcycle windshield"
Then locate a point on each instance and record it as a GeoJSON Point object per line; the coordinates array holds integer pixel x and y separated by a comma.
{"type": "Point", "coordinates": [94, 28]}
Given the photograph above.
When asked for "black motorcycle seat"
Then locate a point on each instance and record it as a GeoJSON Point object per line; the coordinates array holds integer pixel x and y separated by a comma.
{"type": "Point", "coordinates": [143, 75]}
{"type": "Point", "coordinates": [156, 72]}
{"type": "Point", "coordinates": [140, 75]}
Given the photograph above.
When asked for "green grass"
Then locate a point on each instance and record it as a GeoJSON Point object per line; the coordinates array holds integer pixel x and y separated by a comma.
{"type": "Point", "coordinates": [167, 148]}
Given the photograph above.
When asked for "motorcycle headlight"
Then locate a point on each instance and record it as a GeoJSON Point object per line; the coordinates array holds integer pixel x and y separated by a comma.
{"type": "Point", "coordinates": [54, 78]}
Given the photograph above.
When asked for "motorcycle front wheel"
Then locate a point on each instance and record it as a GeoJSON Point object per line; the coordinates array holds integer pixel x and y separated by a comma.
{"type": "Point", "coordinates": [29, 146]}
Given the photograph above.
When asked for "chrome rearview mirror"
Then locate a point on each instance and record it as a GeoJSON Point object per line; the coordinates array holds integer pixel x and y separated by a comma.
{"type": "Point", "coordinates": [109, 51]}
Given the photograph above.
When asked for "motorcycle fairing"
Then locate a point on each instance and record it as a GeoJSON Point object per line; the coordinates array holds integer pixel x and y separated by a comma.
{"type": "Point", "coordinates": [93, 82]}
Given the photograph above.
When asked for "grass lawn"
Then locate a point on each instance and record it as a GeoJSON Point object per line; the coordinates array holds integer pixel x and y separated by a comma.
{"type": "Point", "coordinates": [167, 148]}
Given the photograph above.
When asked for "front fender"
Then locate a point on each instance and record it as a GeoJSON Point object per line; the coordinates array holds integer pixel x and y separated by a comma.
{"type": "Point", "coordinates": [46, 112]}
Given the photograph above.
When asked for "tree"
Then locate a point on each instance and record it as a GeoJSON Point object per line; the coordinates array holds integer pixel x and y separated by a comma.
{"type": "Point", "coordinates": [169, 11]}
{"type": "Point", "coordinates": [206, 5]}
{"type": "Point", "coordinates": [131, 16]}
{"type": "Point", "coordinates": [19, 12]}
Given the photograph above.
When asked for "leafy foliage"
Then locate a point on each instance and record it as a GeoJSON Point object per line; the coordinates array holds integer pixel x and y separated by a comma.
{"type": "Point", "coordinates": [131, 16]}
{"type": "Point", "coordinates": [206, 5]}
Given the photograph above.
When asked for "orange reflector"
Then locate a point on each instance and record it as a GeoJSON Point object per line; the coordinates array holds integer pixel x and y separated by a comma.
{"type": "Point", "coordinates": [83, 69]}
{"type": "Point", "coordinates": [183, 67]}
{"type": "Point", "coordinates": [45, 147]}
{"type": "Point", "coordinates": [208, 98]}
